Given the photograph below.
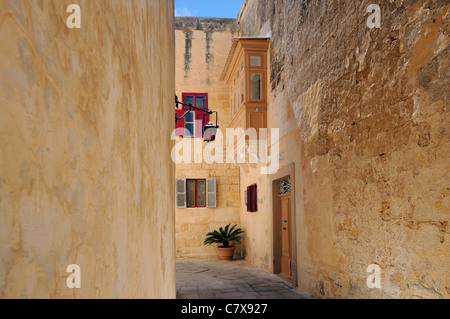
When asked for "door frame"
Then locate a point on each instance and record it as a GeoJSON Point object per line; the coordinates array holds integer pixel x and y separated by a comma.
{"type": "Point", "coordinates": [286, 171]}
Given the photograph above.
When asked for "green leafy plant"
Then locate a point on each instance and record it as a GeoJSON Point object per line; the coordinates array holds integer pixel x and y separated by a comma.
{"type": "Point", "coordinates": [224, 236]}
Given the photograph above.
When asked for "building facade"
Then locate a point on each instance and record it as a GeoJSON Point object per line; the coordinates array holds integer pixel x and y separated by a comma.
{"type": "Point", "coordinates": [202, 46]}
{"type": "Point", "coordinates": [362, 119]}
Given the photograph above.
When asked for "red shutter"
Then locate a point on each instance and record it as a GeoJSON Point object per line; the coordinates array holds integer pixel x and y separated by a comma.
{"type": "Point", "coordinates": [199, 124]}
{"type": "Point", "coordinates": [255, 198]}
{"type": "Point", "coordinates": [179, 125]}
{"type": "Point", "coordinates": [252, 199]}
{"type": "Point", "coordinates": [198, 114]}
{"type": "Point", "coordinates": [207, 107]}
{"type": "Point", "coordinates": [249, 200]}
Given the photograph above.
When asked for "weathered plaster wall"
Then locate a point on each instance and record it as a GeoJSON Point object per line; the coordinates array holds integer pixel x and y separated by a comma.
{"type": "Point", "coordinates": [202, 46]}
{"type": "Point", "coordinates": [366, 121]}
{"type": "Point", "coordinates": [256, 244]}
{"type": "Point", "coordinates": [86, 175]}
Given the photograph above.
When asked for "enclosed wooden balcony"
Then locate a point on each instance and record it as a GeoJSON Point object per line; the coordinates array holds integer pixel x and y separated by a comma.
{"type": "Point", "coordinates": [246, 73]}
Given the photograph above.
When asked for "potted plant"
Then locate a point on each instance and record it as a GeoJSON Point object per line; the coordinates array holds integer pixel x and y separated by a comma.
{"type": "Point", "coordinates": [224, 237]}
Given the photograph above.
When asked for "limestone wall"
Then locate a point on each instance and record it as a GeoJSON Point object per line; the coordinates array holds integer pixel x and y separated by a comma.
{"type": "Point", "coordinates": [364, 117]}
{"type": "Point", "coordinates": [202, 46]}
{"type": "Point", "coordinates": [86, 175]}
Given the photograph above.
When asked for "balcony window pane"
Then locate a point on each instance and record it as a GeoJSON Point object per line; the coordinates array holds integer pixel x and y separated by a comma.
{"type": "Point", "coordinates": [255, 61]}
{"type": "Point", "coordinates": [242, 92]}
{"type": "Point", "coordinates": [238, 99]}
{"type": "Point", "coordinates": [256, 86]}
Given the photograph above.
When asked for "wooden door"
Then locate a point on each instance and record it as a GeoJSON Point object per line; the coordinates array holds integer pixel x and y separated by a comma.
{"type": "Point", "coordinates": [286, 235]}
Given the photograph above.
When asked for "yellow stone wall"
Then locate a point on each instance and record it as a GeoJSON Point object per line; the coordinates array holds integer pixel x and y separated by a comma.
{"type": "Point", "coordinates": [202, 46]}
{"type": "Point", "coordinates": [86, 175]}
{"type": "Point", "coordinates": [363, 116]}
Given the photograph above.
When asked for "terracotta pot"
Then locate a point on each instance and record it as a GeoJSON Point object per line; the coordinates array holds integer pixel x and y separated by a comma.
{"type": "Point", "coordinates": [226, 253]}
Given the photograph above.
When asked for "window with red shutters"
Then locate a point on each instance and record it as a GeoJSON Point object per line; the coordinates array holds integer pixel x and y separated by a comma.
{"type": "Point", "coordinates": [252, 198]}
{"type": "Point", "coordinates": [192, 124]}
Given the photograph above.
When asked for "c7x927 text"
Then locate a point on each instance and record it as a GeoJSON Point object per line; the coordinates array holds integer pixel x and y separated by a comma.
{"type": "Point", "coordinates": [246, 308]}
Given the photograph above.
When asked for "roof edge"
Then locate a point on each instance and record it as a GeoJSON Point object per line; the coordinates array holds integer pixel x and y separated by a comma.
{"type": "Point", "coordinates": [236, 41]}
{"type": "Point", "coordinates": [206, 23]}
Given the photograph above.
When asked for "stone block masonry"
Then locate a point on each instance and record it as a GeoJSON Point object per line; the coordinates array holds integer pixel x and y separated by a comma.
{"type": "Point", "coordinates": [369, 138]}
{"type": "Point", "coordinates": [202, 47]}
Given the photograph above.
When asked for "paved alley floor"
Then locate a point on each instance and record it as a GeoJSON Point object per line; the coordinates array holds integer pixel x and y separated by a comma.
{"type": "Point", "coordinates": [237, 279]}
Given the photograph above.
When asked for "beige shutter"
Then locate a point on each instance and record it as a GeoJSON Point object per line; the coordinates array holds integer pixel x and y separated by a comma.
{"type": "Point", "coordinates": [211, 193]}
{"type": "Point", "coordinates": [181, 192]}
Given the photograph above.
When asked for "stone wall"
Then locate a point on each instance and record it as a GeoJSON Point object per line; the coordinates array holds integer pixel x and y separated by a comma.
{"type": "Point", "coordinates": [86, 175]}
{"type": "Point", "coordinates": [202, 46]}
{"type": "Point", "coordinates": [365, 119]}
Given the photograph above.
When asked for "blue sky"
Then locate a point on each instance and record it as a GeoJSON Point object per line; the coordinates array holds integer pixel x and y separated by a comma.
{"type": "Point", "coordinates": [208, 8]}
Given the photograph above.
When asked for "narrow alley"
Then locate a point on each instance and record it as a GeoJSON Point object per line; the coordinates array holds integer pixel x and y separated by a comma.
{"type": "Point", "coordinates": [214, 279]}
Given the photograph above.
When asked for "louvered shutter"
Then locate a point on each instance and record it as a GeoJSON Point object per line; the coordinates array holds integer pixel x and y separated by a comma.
{"type": "Point", "coordinates": [181, 192]}
{"type": "Point", "coordinates": [211, 193]}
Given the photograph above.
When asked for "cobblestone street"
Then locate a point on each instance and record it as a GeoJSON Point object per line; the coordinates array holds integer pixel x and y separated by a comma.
{"type": "Point", "coordinates": [215, 279]}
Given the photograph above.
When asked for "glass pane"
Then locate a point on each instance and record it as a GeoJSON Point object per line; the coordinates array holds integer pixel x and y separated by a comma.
{"type": "Point", "coordinates": [256, 86]}
{"type": "Point", "coordinates": [191, 200]}
{"type": "Point", "coordinates": [238, 98]}
{"type": "Point", "coordinates": [201, 187]}
{"type": "Point", "coordinates": [242, 91]}
{"type": "Point", "coordinates": [255, 61]}
{"type": "Point", "coordinates": [190, 129]}
{"type": "Point", "coordinates": [189, 100]}
{"type": "Point", "coordinates": [201, 200]}
{"type": "Point", "coordinates": [189, 118]}
{"type": "Point", "coordinates": [201, 102]}
{"type": "Point", "coordinates": [191, 186]}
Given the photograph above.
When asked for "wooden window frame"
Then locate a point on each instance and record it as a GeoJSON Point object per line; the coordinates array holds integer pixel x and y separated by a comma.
{"type": "Point", "coordinates": [261, 88]}
{"type": "Point", "coordinates": [198, 132]}
{"type": "Point", "coordinates": [186, 122]}
{"type": "Point", "coordinates": [196, 192]}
